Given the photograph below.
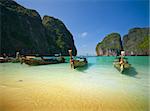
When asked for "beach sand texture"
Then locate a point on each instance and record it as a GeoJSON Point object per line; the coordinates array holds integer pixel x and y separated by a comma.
{"type": "Point", "coordinates": [59, 88]}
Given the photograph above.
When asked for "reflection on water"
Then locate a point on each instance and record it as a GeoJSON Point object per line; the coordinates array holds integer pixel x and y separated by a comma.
{"type": "Point", "coordinates": [84, 68]}
{"type": "Point", "coordinates": [96, 87]}
{"type": "Point", "coordinates": [130, 72]}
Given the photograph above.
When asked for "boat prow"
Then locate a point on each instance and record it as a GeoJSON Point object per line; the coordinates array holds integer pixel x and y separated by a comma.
{"type": "Point", "coordinates": [121, 67]}
{"type": "Point", "coordinates": [79, 63]}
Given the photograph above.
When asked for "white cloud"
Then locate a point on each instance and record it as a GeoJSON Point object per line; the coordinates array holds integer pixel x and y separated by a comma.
{"type": "Point", "coordinates": [84, 34]}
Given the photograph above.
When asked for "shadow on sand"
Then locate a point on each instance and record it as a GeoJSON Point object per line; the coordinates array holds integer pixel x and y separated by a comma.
{"type": "Point", "coordinates": [83, 69]}
{"type": "Point", "coordinates": [130, 72]}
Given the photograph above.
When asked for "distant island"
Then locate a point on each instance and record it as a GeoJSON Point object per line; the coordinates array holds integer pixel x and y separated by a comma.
{"type": "Point", "coordinates": [136, 42]}
{"type": "Point", "coordinates": [23, 30]}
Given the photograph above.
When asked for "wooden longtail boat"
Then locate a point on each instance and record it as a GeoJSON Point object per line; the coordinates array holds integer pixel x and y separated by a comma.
{"type": "Point", "coordinates": [42, 61]}
{"type": "Point", "coordinates": [4, 60]}
{"type": "Point", "coordinates": [80, 62]}
{"type": "Point", "coordinates": [121, 66]}
{"type": "Point", "coordinates": [16, 60]}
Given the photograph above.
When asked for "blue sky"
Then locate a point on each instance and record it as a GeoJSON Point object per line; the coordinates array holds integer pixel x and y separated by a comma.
{"type": "Point", "coordinates": [90, 21]}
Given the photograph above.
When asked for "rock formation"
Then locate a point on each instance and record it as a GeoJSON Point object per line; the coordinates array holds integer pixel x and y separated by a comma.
{"type": "Point", "coordinates": [136, 42]}
{"type": "Point", "coordinates": [23, 30]}
{"type": "Point", "coordinates": [110, 45]}
{"type": "Point", "coordinates": [59, 35]}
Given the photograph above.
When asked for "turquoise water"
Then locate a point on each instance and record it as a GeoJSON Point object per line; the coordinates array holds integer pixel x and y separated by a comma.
{"type": "Point", "coordinates": [99, 76]}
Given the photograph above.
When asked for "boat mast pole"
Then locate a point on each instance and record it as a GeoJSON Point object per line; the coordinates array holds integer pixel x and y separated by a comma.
{"type": "Point", "coordinates": [71, 58]}
{"type": "Point", "coordinates": [70, 53]}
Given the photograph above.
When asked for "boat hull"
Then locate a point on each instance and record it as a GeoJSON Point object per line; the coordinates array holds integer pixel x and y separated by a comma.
{"type": "Point", "coordinates": [36, 62]}
{"type": "Point", "coordinates": [78, 63]}
{"type": "Point", "coordinates": [121, 67]}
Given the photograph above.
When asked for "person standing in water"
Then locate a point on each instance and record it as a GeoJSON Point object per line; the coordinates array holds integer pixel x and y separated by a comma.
{"type": "Point", "coordinates": [121, 62]}
{"type": "Point", "coordinates": [17, 55]}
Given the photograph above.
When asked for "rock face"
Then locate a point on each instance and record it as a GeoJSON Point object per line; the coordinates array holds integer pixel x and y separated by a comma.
{"type": "Point", "coordinates": [23, 30]}
{"type": "Point", "coordinates": [136, 42]}
{"type": "Point", "coordinates": [59, 35]}
{"type": "Point", "coordinates": [110, 45]}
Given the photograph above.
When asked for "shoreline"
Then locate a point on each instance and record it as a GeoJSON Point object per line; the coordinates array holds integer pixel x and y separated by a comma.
{"type": "Point", "coordinates": [100, 87]}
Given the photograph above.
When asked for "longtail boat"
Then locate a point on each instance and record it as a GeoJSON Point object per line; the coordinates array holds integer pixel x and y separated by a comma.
{"type": "Point", "coordinates": [16, 60]}
{"type": "Point", "coordinates": [4, 60]}
{"type": "Point", "coordinates": [34, 61]}
{"type": "Point", "coordinates": [121, 66]}
{"type": "Point", "coordinates": [79, 62]}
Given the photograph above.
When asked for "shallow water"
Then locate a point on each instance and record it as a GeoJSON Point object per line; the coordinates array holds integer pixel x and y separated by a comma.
{"type": "Point", "coordinates": [57, 87]}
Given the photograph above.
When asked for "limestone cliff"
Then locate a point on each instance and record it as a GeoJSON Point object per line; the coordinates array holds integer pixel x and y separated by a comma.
{"type": "Point", "coordinates": [136, 42]}
{"type": "Point", "coordinates": [22, 30]}
{"type": "Point", "coordinates": [59, 34]}
{"type": "Point", "coordinates": [110, 45]}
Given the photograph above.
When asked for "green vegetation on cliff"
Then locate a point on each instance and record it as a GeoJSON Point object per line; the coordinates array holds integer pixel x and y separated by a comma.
{"type": "Point", "coordinates": [23, 30]}
{"type": "Point", "coordinates": [136, 42]}
{"type": "Point", "coordinates": [15, 7]}
{"type": "Point", "coordinates": [62, 38]}
{"type": "Point", "coordinates": [110, 45]}
{"type": "Point", "coordinates": [145, 43]}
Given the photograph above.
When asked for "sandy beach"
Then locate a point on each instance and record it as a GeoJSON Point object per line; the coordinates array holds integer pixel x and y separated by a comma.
{"type": "Point", "coordinates": [61, 96]}
{"type": "Point", "coordinates": [43, 88]}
